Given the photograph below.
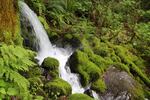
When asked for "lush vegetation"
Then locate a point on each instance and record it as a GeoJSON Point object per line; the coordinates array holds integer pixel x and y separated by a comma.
{"type": "Point", "coordinates": [104, 33]}
{"type": "Point", "coordinates": [12, 63]}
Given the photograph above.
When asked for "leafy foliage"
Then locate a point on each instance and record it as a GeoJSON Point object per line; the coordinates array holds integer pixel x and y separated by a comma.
{"type": "Point", "coordinates": [105, 32]}
{"type": "Point", "coordinates": [12, 60]}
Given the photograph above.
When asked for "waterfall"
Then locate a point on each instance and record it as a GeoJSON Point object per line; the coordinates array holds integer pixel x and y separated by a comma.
{"type": "Point", "coordinates": [46, 49]}
{"type": "Point", "coordinates": [95, 95]}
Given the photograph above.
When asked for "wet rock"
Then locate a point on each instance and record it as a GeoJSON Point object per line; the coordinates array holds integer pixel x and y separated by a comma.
{"type": "Point", "coordinates": [50, 66]}
{"type": "Point", "coordinates": [120, 86]}
{"type": "Point", "coordinates": [121, 96]}
{"type": "Point", "coordinates": [89, 92]}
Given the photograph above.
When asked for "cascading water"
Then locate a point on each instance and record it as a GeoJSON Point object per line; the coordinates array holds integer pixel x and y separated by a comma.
{"type": "Point", "coordinates": [95, 95]}
{"type": "Point", "coordinates": [46, 49]}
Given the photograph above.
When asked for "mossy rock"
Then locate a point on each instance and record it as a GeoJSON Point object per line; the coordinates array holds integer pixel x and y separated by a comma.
{"type": "Point", "coordinates": [99, 86]}
{"type": "Point", "coordinates": [100, 60]}
{"type": "Point", "coordinates": [53, 36]}
{"type": "Point", "coordinates": [85, 78]}
{"type": "Point", "coordinates": [122, 67]}
{"type": "Point", "coordinates": [45, 24]}
{"type": "Point", "coordinates": [131, 60]}
{"type": "Point", "coordinates": [79, 96]}
{"type": "Point", "coordinates": [54, 73]}
{"type": "Point", "coordinates": [80, 63]}
{"type": "Point", "coordinates": [58, 87]}
{"type": "Point", "coordinates": [50, 63]}
{"type": "Point", "coordinates": [73, 39]}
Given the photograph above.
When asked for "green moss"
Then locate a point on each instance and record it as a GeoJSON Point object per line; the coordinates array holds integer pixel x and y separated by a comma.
{"type": "Point", "coordinates": [115, 58]}
{"type": "Point", "coordinates": [57, 87]}
{"type": "Point", "coordinates": [79, 96]}
{"type": "Point", "coordinates": [127, 58]}
{"type": "Point", "coordinates": [53, 36]}
{"type": "Point", "coordinates": [147, 94]}
{"type": "Point", "coordinates": [80, 63]}
{"type": "Point", "coordinates": [85, 78]}
{"type": "Point", "coordinates": [50, 66]}
{"type": "Point", "coordinates": [100, 48]}
{"type": "Point", "coordinates": [122, 66]}
{"type": "Point", "coordinates": [73, 39]}
{"type": "Point", "coordinates": [99, 86]}
{"type": "Point", "coordinates": [54, 73]}
{"type": "Point", "coordinates": [50, 63]}
{"type": "Point", "coordinates": [45, 24]}
{"type": "Point", "coordinates": [37, 6]}
{"type": "Point", "coordinates": [101, 60]}
{"type": "Point", "coordinates": [102, 63]}
{"type": "Point", "coordinates": [140, 73]}
{"type": "Point", "coordinates": [138, 94]}
{"type": "Point", "coordinates": [68, 37]}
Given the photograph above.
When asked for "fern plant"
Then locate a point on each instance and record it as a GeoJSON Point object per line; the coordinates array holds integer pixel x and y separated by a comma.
{"type": "Point", "coordinates": [12, 60]}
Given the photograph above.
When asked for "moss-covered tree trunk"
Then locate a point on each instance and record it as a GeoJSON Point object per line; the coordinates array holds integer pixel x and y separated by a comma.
{"type": "Point", "coordinates": [9, 22]}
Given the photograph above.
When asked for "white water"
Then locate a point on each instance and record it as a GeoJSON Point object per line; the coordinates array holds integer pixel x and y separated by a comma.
{"type": "Point", "coordinates": [95, 95]}
{"type": "Point", "coordinates": [46, 49]}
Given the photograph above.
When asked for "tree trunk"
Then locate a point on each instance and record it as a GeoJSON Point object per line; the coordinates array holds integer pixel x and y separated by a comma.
{"type": "Point", "coordinates": [9, 21]}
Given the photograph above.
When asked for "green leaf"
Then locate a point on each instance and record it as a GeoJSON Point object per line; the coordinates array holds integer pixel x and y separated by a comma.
{"type": "Point", "coordinates": [12, 91]}
{"type": "Point", "coordinates": [2, 90]}
{"type": "Point", "coordinates": [2, 83]}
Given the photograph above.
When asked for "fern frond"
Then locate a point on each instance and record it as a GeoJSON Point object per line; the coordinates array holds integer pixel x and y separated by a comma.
{"type": "Point", "coordinates": [12, 60]}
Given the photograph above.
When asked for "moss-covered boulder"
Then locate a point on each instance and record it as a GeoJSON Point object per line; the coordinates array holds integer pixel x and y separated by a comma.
{"type": "Point", "coordinates": [73, 39]}
{"type": "Point", "coordinates": [80, 63]}
{"type": "Point", "coordinates": [50, 63]}
{"type": "Point", "coordinates": [50, 66]}
{"type": "Point", "coordinates": [79, 96]}
{"type": "Point", "coordinates": [57, 87]}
